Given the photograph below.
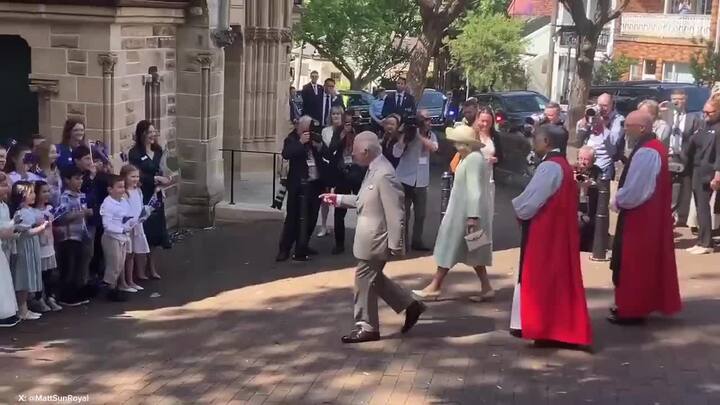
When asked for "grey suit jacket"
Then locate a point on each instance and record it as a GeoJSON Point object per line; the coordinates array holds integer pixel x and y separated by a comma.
{"type": "Point", "coordinates": [380, 213]}
{"type": "Point", "coordinates": [693, 122]}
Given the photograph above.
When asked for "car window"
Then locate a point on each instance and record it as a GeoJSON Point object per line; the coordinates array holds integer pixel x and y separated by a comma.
{"type": "Point", "coordinates": [356, 100]}
{"type": "Point", "coordinates": [628, 98]}
{"type": "Point", "coordinates": [483, 99]}
{"type": "Point", "coordinates": [432, 99]}
{"type": "Point", "coordinates": [524, 102]}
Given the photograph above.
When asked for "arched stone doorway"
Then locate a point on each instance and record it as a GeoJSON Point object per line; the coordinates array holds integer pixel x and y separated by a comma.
{"type": "Point", "coordinates": [18, 105]}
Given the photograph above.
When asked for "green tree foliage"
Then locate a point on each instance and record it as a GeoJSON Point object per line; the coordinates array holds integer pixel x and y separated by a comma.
{"type": "Point", "coordinates": [613, 69]}
{"type": "Point", "coordinates": [705, 65]}
{"type": "Point", "coordinates": [488, 48]}
{"type": "Point", "coordinates": [362, 38]}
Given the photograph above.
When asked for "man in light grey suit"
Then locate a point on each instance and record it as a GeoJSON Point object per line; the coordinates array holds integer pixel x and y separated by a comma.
{"type": "Point", "coordinates": [379, 234]}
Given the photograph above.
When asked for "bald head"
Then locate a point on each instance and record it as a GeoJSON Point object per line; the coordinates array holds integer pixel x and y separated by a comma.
{"type": "Point", "coordinates": [605, 104]}
{"type": "Point", "coordinates": [638, 123]}
{"type": "Point", "coordinates": [366, 148]}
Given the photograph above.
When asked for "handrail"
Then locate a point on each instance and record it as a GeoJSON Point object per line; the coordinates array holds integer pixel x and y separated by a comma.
{"type": "Point", "coordinates": [232, 170]}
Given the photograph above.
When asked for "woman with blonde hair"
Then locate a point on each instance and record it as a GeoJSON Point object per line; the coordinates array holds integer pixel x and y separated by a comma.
{"type": "Point", "coordinates": [465, 234]}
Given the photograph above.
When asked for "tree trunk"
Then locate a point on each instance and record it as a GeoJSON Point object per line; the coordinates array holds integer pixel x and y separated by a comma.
{"type": "Point", "coordinates": [580, 88]}
{"type": "Point", "coordinates": [357, 84]}
{"type": "Point", "coordinates": [420, 60]}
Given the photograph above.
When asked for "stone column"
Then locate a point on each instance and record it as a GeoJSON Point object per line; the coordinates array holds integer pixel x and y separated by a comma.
{"type": "Point", "coordinates": [45, 89]}
{"type": "Point", "coordinates": [108, 61]}
{"type": "Point", "coordinates": [205, 61]}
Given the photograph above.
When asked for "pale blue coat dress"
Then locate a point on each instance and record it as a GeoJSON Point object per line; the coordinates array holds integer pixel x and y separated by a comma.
{"type": "Point", "coordinates": [471, 196]}
{"type": "Point", "coordinates": [8, 302]}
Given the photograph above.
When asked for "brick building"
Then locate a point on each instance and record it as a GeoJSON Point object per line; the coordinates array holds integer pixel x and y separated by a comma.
{"type": "Point", "coordinates": [662, 35]}
{"type": "Point", "coordinates": [208, 73]}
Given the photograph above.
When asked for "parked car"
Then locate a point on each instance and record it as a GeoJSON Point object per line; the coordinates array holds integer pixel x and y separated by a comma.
{"type": "Point", "coordinates": [358, 102]}
{"type": "Point", "coordinates": [513, 108]}
{"type": "Point", "coordinates": [433, 101]}
{"type": "Point", "coordinates": [628, 94]}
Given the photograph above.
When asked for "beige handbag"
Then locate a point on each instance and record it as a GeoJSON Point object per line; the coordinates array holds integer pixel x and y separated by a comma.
{"type": "Point", "coordinates": [476, 240]}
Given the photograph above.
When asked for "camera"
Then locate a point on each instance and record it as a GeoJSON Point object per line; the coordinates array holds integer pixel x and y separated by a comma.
{"type": "Point", "coordinates": [315, 137]}
{"type": "Point", "coordinates": [592, 111]}
{"type": "Point", "coordinates": [580, 177]}
{"type": "Point", "coordinates": [535, 119]}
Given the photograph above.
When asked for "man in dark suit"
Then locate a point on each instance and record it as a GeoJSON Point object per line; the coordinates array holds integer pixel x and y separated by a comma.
{"type": "Point", "coordinates": [303, 150]}
{"type": "Point", "coordinates": [330, 99]}
{"type": "Point", "coordinates": [703, 157]}
{"type": "Point", "coordinates": [683, 125]}
{"type": "Point", "coordinates": [402, 103]}
{"type": "Point", "coordinates": [312, 96]}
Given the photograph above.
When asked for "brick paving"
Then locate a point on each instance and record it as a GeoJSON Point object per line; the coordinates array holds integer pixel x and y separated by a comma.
{"type": "Point", "coordinates": [232, 327]}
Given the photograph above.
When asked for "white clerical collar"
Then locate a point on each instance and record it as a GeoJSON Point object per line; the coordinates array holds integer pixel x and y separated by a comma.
{"type": "Point", "coordinates": [553, 150]}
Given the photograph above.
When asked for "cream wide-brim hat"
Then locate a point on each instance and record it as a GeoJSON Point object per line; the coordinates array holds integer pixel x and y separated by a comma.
{"type": "Point", "coordinates": [463, 134]}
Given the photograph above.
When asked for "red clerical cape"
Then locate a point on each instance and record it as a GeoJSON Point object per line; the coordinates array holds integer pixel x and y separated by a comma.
{"type": "Point", "coordinates": [648, 280]}
{"type": "Point", "coordinates": [552, 300]}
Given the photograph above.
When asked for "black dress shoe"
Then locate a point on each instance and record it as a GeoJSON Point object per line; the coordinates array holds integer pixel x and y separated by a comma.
{"type": "Point", "coordinates": [616, 320]}
{"type": "Point", "coordinates": [359, 335]}
{"type": "Point", "coordinates": [412, 314]}
{"type": "Point", "coordinates": [516, 333]}
{"type": "Point", "coordinates": [420, 248]}
{"type": "Point", "coordinates": [301, 258]}
{"type": "Point", "coordinates": [282, 256]}
{"type": "Point", "coordinates": [613, 310]}
{"type": "Point", "coordinates": [338, 250]}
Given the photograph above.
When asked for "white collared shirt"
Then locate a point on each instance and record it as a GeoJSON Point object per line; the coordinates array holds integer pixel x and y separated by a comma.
{"type": "Point", "coordinates": [113, 212]}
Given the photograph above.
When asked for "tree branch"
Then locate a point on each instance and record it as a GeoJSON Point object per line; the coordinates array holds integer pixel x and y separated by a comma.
{"type": "Point", "coordinates": [339, 63]}
{"type": "Point", "coordinates": [615, 13]}
{"type": "Point", "coordinates": [577, 11]}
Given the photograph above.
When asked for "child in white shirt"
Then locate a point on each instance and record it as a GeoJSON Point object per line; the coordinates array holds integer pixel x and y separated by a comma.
{"type": "Point", "coordinates": [117, 222]}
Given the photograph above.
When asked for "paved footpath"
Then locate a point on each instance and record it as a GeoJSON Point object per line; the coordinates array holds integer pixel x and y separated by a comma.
{"type": "Point", "coordinates": [232, 327]}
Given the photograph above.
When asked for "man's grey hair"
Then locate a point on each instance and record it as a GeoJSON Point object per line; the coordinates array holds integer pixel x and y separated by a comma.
{"type": "Point", "coordinates": [587, 149]}
{"type": "Point", "coordinates": [305, 121]}
{"type": "Point", "coordinates": [652, 105]}
{"type": "Point", "coordinates": [370, 142]}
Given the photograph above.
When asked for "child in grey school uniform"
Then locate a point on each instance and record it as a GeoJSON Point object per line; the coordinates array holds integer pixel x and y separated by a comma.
{"type": "Point", "coordinates": [117, 222]}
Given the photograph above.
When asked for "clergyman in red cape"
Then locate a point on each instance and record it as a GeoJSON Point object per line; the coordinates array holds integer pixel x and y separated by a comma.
{"type": "Point", "coordinates": [549, 301]}
{"type": "Point", "coordinates": [643, 257]}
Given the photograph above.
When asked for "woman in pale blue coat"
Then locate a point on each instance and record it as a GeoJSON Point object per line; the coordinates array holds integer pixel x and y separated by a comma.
{"type": "Point", "coordinates": [469, 210]}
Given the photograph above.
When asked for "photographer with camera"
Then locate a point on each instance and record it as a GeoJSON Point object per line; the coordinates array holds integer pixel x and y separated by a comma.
{"type": "Point", "coordinates": [602, 129]}
{"type": "Point", "coordinates": [303, 150]}
{"type": "Point", "coordinates": [413, 170]}
{"type": "Point", "coordinates": [587, 175]}
{"type": "Point", "coordinates": [391, 135]}
{"type": "Point", "coordinates": [344, 176]}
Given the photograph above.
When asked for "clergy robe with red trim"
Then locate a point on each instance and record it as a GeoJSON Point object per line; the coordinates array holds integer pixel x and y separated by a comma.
{"type": "Point", "coordinates": [645, 271]}
{"type": "Point", "coordinates": [552, 295]}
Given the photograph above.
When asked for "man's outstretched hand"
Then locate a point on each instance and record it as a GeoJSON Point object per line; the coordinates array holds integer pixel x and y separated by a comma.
{"type": "Point", "coordinates": [329, 199]}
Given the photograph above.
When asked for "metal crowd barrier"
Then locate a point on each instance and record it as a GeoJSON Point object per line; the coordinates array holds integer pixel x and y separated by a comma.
{"type": "Point", "coordinates": [232, 170]}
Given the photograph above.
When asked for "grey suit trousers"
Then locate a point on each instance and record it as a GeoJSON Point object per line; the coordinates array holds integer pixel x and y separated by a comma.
{"type": "Point", "coordinates": [371, 283]}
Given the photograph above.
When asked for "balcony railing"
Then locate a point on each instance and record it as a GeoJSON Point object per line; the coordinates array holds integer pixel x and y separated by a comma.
{"type": "Point", "coordinates": [686, 26]}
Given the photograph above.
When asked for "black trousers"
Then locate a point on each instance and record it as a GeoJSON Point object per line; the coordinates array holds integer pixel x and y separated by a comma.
{"type": "Point", "coordinates": [703, 193]}
{"type": "Point", "coordinates": [340, 213]}
{"type": "Point", "coordinates": [70, 259]}
{"type": "Point", "coordinates": [291, 227]}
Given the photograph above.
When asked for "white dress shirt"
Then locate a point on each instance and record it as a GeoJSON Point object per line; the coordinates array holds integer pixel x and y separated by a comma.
{"type": "Point", "coordinates": [113, 212]}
